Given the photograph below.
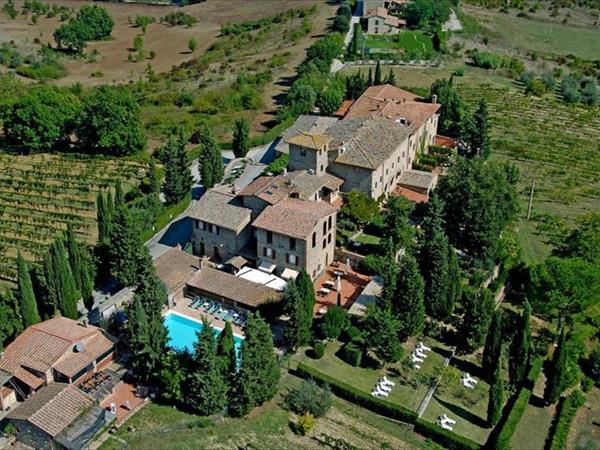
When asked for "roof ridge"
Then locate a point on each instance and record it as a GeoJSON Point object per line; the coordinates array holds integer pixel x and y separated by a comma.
{"type": "Point", "coordinates": [364, 152]}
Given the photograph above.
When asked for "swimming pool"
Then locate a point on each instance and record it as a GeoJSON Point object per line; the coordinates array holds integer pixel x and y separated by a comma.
{"type": "Point", "coordinates": [182, 332]}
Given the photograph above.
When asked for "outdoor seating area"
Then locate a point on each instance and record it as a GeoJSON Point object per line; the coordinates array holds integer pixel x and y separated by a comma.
{"type": "Point", "coordinates": [419, 354]}
{"type": "Point", "coordinates": [330, 291]}
{"type": "Point", "coordinates": [98, 384]}
{"type": "Point", "coordinates": [383, 388]}
{"type": "Point", "coordinates": [219, 311]}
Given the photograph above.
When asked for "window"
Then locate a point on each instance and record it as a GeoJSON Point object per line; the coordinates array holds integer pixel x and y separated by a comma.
{"type": "Point", "coordinates": [268, 252]}
{"type": "Point", "coordinates": [329, 239]}
{"type": "Point", "coordinates": [292, 244]}
{"type": "Point", "coordinates": [214, 229]}
{"type": "Point", "coordinates": [324, 227]}
{"type": "Point", "coordinates": [292, 259]}
{"type": "Point", "coordinates": [324, 243]}
{"type": "Point", "coordinates": [314, 239]}
{"type": "Point", "coordinates": [303, 151]}
{"type": "Point", "coordinates": [330, 221]}
{"type": "Point", "coordinates": [269, 237]}
{"type": "Point", "coordinates": [322, 168]}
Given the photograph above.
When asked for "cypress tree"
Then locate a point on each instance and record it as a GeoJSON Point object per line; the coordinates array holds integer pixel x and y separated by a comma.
{"type": "Point", "coordinates": [496, 397]}
{"type": "Point", "coordinates": [211, 161]}
{"type": "Point", "coordinates": [557, 374]}
{"type": "Point", "coordinates": [207, 388]}
{"type": "Point", "coordinates": [454, 286]}
{"type": "Point", "coordinates": [258, 376]}
{"type": "Point", "coordinates": [25, 295]}
{"type": "Point", "coordinates": [382, 330]}
{"type": "Point", "coordinates": [370, 78]}
{"type": "Point", "coordinates": [150, 289]}
{"type": "Point", "coordinates": [477, 132]}
{"type": "Point", "coordinates": [10, 320]}
{"type": "Point", "coordinates": [388, 273]}
{"type": "Point", "coordinates": [391, 78]}
{"type": "Point", "coordinates": [307, 292]}
{"type": "Point", "coordinates": [408, 305]}
{"type": "Point", "coordinates": [102, 217]}
{"type": "Point", "coordinates": [297, 330]}
{"type": "Point", "coordinates": [354, 42]}
{"type": "Point", "coordinates": [434, 258]}
{"type": "Point", "coordinates": [226, 351]}
{"type": "Point", "coordinates": [478, 307]}
{"type": "Point", "coordinates": [377, 78]}
{"type": "Point", "coordinates": [493, 346]}
{"type": "Point", "coordinates": [119, 195]}
{"type": "Point", "coordinates": [110, 208]}
{"type": "Point", "coordinates": [178, 178]}
{"type": "Point", "coordinates": [65, 286]}
{"type": "Point", "coordinates": [518, 363]}
{"type": "Point", "coordinates": [48, 285]}
{"type": "Point", "coordinates": [241, 140]}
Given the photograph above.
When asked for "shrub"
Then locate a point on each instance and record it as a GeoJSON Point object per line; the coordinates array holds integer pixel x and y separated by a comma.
{"type": "Point", "coordinates": [537, 88]}
{"type": "Point", "coordinates": [351, 354]}
{"type": "Point", "coordinates": [278, 165]}
{"type": "Point", "coordinates": [460, 72]}
{"type": "Point", "coordinates": [305, 424]}
{"type": "Point", "coordinates": [447, 439]}
{"type": "Point", "coordinates": [308, 398]}
{"type": "Point", "coordinates": [570, 90]}
{"type": "Point", "coordinates": [567, 408]}
{"type": "Point", "coordinates": [179, 18]}
{"type": "Point", "coordinates": [587, 384]}
{"type": "Point", "coordinates": [549, 80]}
{"type": "Point", "coordinates": [589, 92]}
{"type": "Point", "coordinates": [486, 60]}
{"type": "Point", "coordinates": [318, 350]}
{"type": "Point", "coordinates": [351, 334]}
{"type": "Point", "coordinates": [335, 322]}
{"type": "Point", "coordinates": [350, 393]}
{"type": "Point", "coordinates": [594, 364]}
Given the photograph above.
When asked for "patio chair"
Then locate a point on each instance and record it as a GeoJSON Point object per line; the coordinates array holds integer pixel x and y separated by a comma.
{"type": "Point", "coordinates": [379, 393]}
{"type": "Point", "coordinates": [384, 388]}
{"type": "Point", "coordinates": [467, 376]}
{"type": "Point", "coordinates": [445, 418]}
{"type": "Point", "coordinates": [423, 347]}
{"type": "Point", "coordinates": [445, 425]}
{"type": "Point", "coordinates": [416, 366]}
{"type": "Point", "coordinates": [388, 382]}
{"type": "Point", "coordinates": [466, 384]}
{"type": "Point", "coordinates": [416, 358]}
{"type": "Point", "coordinates": [420, 354]}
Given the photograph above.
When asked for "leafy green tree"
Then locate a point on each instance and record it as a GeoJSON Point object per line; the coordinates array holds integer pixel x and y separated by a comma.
{"type": "Point", "coordinates": [396, 224]}
{"type": "Point", "coordinates": [96, 21]}
{"type": "Point", "coordinates": [192, 45]}
{"type": "Point", "coordinates": [478, 307]}
{"type": "Point", "coordinates": [434, 261]}
{"type": "Point", "coordinates": [427, 13]}
{"type": "Point", "coordinates": [335, 322]}
{"type": "Point", "coordinates": [340, 24]}
{"type": "Point", "coordinates": [207, 388]}
{"type": "Point", "coordinates": [382, 329]}
{"type": "Point", "coordinates": [556, 379]}
{"type": "Point", "coordinates": [330, 100]}
{"type": "Point", "coordinates": [480, 200]}
{"type": "Point", "coordinates": [561, 287]}
{"type": "Point", "coordinates": [594, 364]}
{"type": "Point", "coordinates": [496, 397]}
{"type": "Point", "coordinates": [10, 322]}
{"type": "Point", "coordinates": [377, 78]}
{"type": "Point", "coordinates": [475, 136]}
{"type": "Point", "coordinates": [42, 119]}
{"type": "Point", "coordinates": [301, 99]}
{"type": "Point", "coordinates": [71, 36]}
{"type": "Point", "coordinates": [520, 349]}
{"type": "Point", "coordinates": [178, 178]}
{"type": "Point", "coordinates": [390, 78]}
{"type": "Point", "coordinates": [408, 305]}
{"type": "Point", "coordinates": [583, 241]}
{"type": "Point", "coordinates": [258, 376]}
{"type": "Point", "coordinates": [25, 295]}
{"type": "Point", "coordinates": [308, 398]}
{"type": "Point", "coordinates": [226, 351]}
{"type": "Point", "coordinates": [210, 160]}
{"type": "Point", "coordinates": [241, 139]}
{"type": "Point", "coordinates": [493, 345]}
{"type": "Point", "coordinates": [451, 107]}
{"type": "Point", "coordinates": [110, 122]}
{"type": "Point", "coordinates": [360, 207]}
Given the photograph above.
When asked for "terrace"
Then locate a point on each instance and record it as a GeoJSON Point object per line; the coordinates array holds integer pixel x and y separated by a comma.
{"type": "Point", "coordinates": [351, 283]}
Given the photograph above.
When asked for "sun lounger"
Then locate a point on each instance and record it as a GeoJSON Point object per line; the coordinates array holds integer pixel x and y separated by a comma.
{"type": "Point", "coordinates": [379, 392]}
{"type": "Point", "coordinates": [445, 418]}
{"type": "Point", "coordinates": [384, 388]}
{"type": "Point", "coordinates": [467, 376]}
{"type": "Point", "coordinates": [416, 358]}
{"type": "Point", "coordinates": [420, 354]}
{"type": "Point", "coordinates": [388, 382]}
{"type": "Point", "coordinates": [423, 347]}
{"type": "Point", "coordinates": [466, 384]}
{"type": "Point", "coordinates": [329, 284]}
{"type": "Point", "coordinates": [324, 291]}
{"type": "Point", "coordinates": [445, 425]}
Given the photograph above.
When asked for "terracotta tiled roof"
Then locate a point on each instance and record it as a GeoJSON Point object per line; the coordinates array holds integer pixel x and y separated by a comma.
{"type": "Point", "coordinates": [343, 109]}
{"type": "Point", "coordinates": [53, 407]}
{"type": "Point", "coordinates": [444, 141]}
{"type": "Point", "coordinates": [392, 103]}
{"type": "Point", "coordinates": [175, 268]}
{"type": "Point", "coordinates": [220, 209]}
{"type": "Point", "coordinates": [411, 195]}
{"type": "Point", "coordinates": [293, 217]}
{"type": "Point", "coordinates": [417, 178]}
{"type": "Point", "coordinates": [307, 184]}
{"type": "Point", "coordinates": [50, 344]}
{"type": "Point", "coordinates": [307, 123]}
{"type": "Point", "coordinates": [31, 380]}
{"type": "Point", "coordinates": [378, 11]}
{"type": "Point", "coordinates": [269, 189]}
{"type": "Point", "coordinates": [225, 285]}
{"type": "Point", "coordinates": [309, 140]}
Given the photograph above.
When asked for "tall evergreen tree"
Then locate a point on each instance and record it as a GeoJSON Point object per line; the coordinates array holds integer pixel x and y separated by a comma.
{"type": "Point", "coordinates": [10, 320]}
{"type": "Point", "coordinates": [390, 78]}
{"type": "Point", "coordinates": [207, 388]}
{"type": "Point", "coordinates": [103, 217]}
{"type": "Point", "coordinates": [408, 305]}
{"type": "Point", "coordinates": [478, 307]}
{"type": "Point", "coordinates": [377, 78]}
{"type": "Point", "coordinates": [518, 362]}
{"type": "Point", "coordinates": [454, 280]}
{"type": "Point", "coordinates": [382, 329]}
{"type": "Point", "coordinates": [241, 138]}
{"type": "Point", "coordinates": [297, 331]}
{"type": "Point", "coordinates": [210, 160]}
{"type": "Point", "coordinates": [48, 288]}
{"type": "Point", "coordinates": [370, 77]}
{"type": "Point", "coordinates": [451, 109]}
{"type": "Point", "coordinates": [354, 41]}
{"type": "Point", "coordinates": [556, 381]}
{"type": "Point", "coordinates": [434, 261]}
{"type": "Point", "coordinates": [119, 194]}
{"type": "Point", "coordinates": [493, 346]}
{"type": "Point", "coordinates": [307, 291]}
{"type": "Point", "coordinates": [65, 287]}
{"type": "Point", "coordinates": [496, 396]}
{"type": "Point", "coordinates": [396, 219]}
{"type": "Point", "coordinates": [80, 266]}
{"type": "Point", "coordinates": [475, 133]}
{"type": "Point", "coordinates": [178, 177]}
{"type": "Point", "coordinates": [226, 351]}
{"type": "Point", "coordinates": [25, 295]}
{"type": "Point", "coordinates": [258, 376]}
{"type": "Point", "coordinates": [388, 273]}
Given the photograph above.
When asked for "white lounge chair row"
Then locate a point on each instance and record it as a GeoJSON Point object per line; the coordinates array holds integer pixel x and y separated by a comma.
{"type": "Point", "coordinates": [446, 422]}
{"type": "Point", "coordinates": [468, 381]}
{"type": "Point", "coordinates": [383, 388]}
{"type": "Point", "coordinates": [419, 354]}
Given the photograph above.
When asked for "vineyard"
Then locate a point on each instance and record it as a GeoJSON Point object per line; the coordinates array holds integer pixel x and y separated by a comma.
{"type": "Point", "coordinates": [40, 194]}
{"type": "Point", "coordinates": [551, 142]}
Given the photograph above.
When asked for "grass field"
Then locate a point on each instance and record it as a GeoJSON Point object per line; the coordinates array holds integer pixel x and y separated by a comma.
{"type": "Point", "coordinates": [40, 194]}
{"type": "Point", "coordinates": [411, 41]}
{"type": "Point", "coordinates": [585, 434]}
{"type": "Point", "coordinates": [162, 427]}
{"type": "Point", "coordinates": [533, 427]}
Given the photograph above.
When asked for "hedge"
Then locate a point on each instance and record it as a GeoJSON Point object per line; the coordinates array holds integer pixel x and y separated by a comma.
{"type": "Point", "coordinates": [361, 398]}
{"type": "Point", "coordinates": [567, 409]}
{"type": "Point", "coordinates": [445, 438]}
{"type": "Point", "coordinates": [502, 436]}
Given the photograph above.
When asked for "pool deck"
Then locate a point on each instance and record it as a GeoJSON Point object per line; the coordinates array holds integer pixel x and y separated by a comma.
{"type": "Point", "coordinates": [183, 307]}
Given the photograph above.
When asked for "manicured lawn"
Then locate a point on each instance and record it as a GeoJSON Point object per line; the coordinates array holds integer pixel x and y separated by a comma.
{"type": "Point", "coordinates": [534, 250]}
{"type": "Point", "coordinates": [411, 384]}
{"type": "Point", "coordinates": [468, 407]}
{"type": "Point", "coordinates": [411, 41]}
{"type": "Point", "coordinates": [365, 238]}
{"type": "Point", "coordinates": [585, 435]}
{"type": "Point", "coordinates": [533, 428]}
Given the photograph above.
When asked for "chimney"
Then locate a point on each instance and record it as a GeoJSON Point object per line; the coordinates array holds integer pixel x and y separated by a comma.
{"type": "Point", "coordinates": [434, 99]}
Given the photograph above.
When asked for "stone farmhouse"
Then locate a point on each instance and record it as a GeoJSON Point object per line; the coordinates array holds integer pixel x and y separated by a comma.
{"type": "Point", "coordinates": [378, 21]}
{"type": "Point", "coordinates": [372, 147]}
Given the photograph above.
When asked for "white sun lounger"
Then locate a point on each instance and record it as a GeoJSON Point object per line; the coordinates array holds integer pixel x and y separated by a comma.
{"type": "Point", "coordinates": [379, 393]}
{"type": "Point", "coordinates": [416, 358]}
{"type": "Point", "coordinates": [384, 388]}
{"type": "Point", "coordinates": [445, 426]}
{"type": "Point", "coordinates": [420, 354]}
{"type": "Point", "coordinates": [467, 376]}
{"type": "Point", "coordinates": [466, 384]}
{"type": "Point", "coordinates": [386, 381]}
{"type": "Point", "coordinates": [423, 347]}
{"type": "Point", "coordinates": [445, 418]}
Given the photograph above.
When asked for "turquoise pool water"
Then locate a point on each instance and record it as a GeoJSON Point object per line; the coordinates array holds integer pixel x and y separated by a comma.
{"type": "Point", "coordinates": [182, 332]}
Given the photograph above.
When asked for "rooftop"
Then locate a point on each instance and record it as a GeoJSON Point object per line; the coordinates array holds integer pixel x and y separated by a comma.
{"type": "Point", "coordinates": [220, 209]}
{"type": "Point", "coordinates": [306, 184]}
{"type": "Point", "coordinates": [51, 344]}
{"type": "Point", "coordinates": [309, 140]}
{"type": "Point", "coordinates": [367, 142]}
{"type": "Point", "coordinates": [293, 217]}
{"type": "Point", "coordinates": [417, 178]}
{"type": "Point", "coordinates": [306, 123]}
{"type": "Point", "coordinates": [53, 407]}
{"type": "Point", "coordinates": [269, 189]}
{"type": "Point", "coordinates": [228, 286]}
{"type": "Point", "coordinates": [175, 267]}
